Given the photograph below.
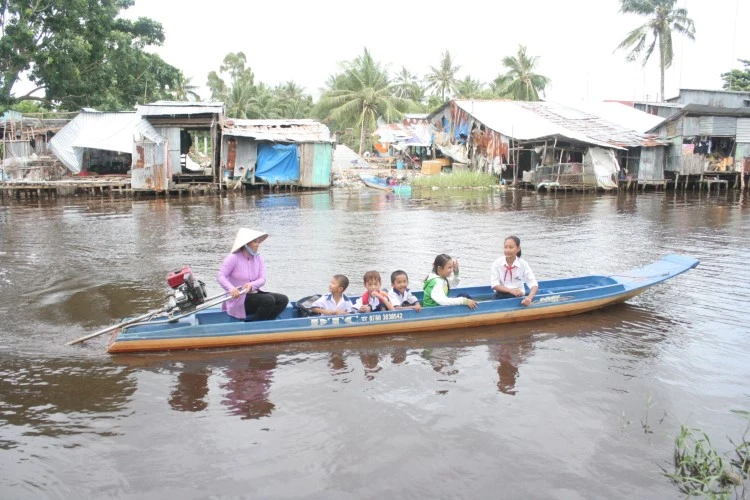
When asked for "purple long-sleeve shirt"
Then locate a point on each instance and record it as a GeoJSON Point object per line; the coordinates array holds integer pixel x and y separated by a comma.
{"type": "Point", "coordinates": [239, 269]}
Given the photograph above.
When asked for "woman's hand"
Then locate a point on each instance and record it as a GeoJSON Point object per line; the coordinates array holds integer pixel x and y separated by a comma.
{"type": "Point", "coordinates": [234, 292]}
{"type": "Point", "coordinates": [455, 266]}
{"type": "Point", "coordinates": [526, 302]}
{"type": "Point", "coordinates": [516, 291]}
{"type": "Point", "coordinates": [471, 303]}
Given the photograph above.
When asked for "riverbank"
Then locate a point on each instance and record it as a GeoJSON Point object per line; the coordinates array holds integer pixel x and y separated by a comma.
{"type": "Point", "coordinates": [120, 186]}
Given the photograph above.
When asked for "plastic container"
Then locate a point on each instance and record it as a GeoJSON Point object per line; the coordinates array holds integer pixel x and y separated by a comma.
{"type": "Point", "coordinates": [399, 164]}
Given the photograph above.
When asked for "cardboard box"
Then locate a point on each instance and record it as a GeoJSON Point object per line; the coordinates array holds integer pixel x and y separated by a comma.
{"type": "Point", "coordinates": [431, 167]}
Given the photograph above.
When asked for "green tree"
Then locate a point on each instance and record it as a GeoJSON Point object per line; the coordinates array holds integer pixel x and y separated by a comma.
{"type": "Point", "coordinates": [520, 82]}
{"type": "Point", "coordinates": [664, 18]}
{"type": "Point", "coordinates": [246, 99]}
{"type": "Point", "coordinates": [80, 53]}
{"type": "Point", "coordinates": [292, 102]}
{"type": "Point", "coordinates": [184, 90]}
{"type": "Point", "coordinates": [238, 95]}
{"type": "Point", "coordinates": [359, 96]}
{"type": "Point", "coordinates": [443, 78]}
{"type": "Point", "coordinates": [468, 88]}
{"type": "Point", "coordinates": [737, 79]}
{"type": "Point", "coordinates": [408, 86]}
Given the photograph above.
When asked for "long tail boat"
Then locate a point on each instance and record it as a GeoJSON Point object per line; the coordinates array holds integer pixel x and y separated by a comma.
{"type": "Point", "coordinates": [213, 328]}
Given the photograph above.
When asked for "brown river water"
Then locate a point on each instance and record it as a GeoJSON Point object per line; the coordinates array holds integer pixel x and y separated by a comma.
{"type": "Point", "coordinates": [580, 407]}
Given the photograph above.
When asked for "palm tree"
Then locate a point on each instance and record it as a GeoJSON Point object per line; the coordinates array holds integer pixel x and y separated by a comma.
{"type": "Point", "coordinates": [443, 79]}
{"type": "Point", "coordinates": [407, 86]}
{"type": "Point", "coordinates": [360, 95]}
{"type": "Point", "coordinates": [468, 88]}
{"type": "Point", "coordinates": [520, 83]}
{"type": "Point", "coordinates": [663, 19]}
{"type": "Point", "coordinates": [184, 89]}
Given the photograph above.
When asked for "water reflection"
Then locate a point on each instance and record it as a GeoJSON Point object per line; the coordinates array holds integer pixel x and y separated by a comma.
{"type": "Point", "coordinates": [54, 398]}
{"type": "Point", "coordinates": [191, 391]}
{"type": "Point", "coordinates": [248, 385]}
{"type": "Point", "coordinates": [509, 357]}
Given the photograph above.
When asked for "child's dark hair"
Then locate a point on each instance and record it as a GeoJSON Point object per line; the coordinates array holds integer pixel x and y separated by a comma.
{"type": "Point", "coordinates": [372, 275]}
{"type": "Point", "coordinates": [440, 261]}
{"type": "Point", "coordinates": [517, 240]}
{"type": "Point", "coordinates": [342, 280]}
{"type": "Point", "coordinates": [396, 274]}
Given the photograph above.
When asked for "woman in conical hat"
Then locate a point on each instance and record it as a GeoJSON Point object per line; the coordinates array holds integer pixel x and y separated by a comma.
{"type": "Point", "coordinates": [245, 270]}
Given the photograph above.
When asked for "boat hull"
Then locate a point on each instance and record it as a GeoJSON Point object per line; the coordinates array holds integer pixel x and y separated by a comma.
{"type": "Point", "coordinates": [213, 328]}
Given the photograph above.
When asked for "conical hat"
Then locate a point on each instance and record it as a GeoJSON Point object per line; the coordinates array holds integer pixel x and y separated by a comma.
{"type": "Point", "coordinates": [245, 236]}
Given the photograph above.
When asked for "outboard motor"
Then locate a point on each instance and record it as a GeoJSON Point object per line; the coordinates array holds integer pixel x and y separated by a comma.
{"type": "Point", "coordinates": [188, 292]}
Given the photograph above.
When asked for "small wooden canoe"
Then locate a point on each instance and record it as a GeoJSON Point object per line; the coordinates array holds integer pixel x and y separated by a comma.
{"type": "Point", "coordinates": [381, 184]}
{"type": "Point", "coordinates": [212, 328]}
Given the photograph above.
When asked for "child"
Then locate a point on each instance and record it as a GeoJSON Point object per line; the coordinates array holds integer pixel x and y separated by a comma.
{"type": "Point", "coordinates": [436, 286]}
{"type": "Point", "coordinates": [335, 302]}
{"type": "Point", "coordinates": [508, 274]}
{"type": "Point", "coordinates": [373, 299]}
{"type": "Point", "coordinates": [400, 295]}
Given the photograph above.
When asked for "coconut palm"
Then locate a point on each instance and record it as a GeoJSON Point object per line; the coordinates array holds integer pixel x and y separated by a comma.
{"type": "Point", "coordinates": [520, 82]}
{"type": "Point", "coordinates": [184, 89]}
{"type": "Point", "coordinates": [468, 88]}
{"type": "Point", "coordinates": [407, 85]}
{"type": "Point", "coordinates": [359, 96]}
{"type": "Point", "coordinates": [443, 78]}
{"type": "Point", "coordinates": [664, 17]}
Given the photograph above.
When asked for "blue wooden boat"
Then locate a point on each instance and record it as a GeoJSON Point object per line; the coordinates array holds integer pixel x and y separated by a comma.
{"type": "Point", "coordinates": [212, 328]}
{"type": "Point", "coordinates": [382, 184]}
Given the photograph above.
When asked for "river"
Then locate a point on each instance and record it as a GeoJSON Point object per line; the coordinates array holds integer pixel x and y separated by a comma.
{"type": "Point", "coordinates": [580, 407]}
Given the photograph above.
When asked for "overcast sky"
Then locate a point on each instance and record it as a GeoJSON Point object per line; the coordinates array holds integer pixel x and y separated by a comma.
{"type": "Point", "coordinates": [575, 40]}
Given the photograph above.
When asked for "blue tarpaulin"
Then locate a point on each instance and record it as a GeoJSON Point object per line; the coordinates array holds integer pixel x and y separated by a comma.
{"type": "Point", "coordinates": [277, 162]}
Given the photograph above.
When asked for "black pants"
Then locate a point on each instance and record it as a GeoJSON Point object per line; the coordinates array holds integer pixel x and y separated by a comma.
{"type": "Point", "coordinates": [504, 295]}
{"type": "Point", "coordinates": [264, 305]}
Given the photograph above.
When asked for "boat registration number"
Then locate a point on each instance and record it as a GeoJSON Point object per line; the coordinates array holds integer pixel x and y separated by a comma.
{"type": "Point", "coordinates": [344, 320]}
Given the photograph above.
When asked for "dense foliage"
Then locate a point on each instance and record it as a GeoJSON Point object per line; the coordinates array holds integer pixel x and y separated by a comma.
{"type": "Point", "coordinates": [737, 79]}
{"type": "Point", "coordinates": [234, 84]}
{"type": "Point", "coordinates": [80, 53]}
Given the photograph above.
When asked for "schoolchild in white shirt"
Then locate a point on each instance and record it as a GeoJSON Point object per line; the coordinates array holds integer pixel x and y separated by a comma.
{"type": "Point", "coordinates": [400, 295]}
{"type": "Point", "coordinates": [374, 299]}
{"type": "Point", "coordinates": [335, 302]}
{"type": "Point", "coordinates": [508, 274]}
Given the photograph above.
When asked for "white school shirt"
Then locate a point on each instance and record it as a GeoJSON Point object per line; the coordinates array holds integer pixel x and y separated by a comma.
{"type": "Point", "coordinates": [327, 302]}
{"type": "Point", "coordinates": [372, 301]}
{"type": "Point", "coordinates": [513, 276]}
{"type": "Point", "coordinates": [397, 300]}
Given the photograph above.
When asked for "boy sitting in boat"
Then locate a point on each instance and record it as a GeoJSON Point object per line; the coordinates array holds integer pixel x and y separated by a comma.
{"type": "Point", "coordinates": [400, 295]}
{"type": "Point", "coordinates": [335, 302]}
{"type": "Point", "coordinates": [374, 299]}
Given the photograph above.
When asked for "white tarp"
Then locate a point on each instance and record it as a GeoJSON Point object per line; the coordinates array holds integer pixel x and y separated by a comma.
{"type": "Point", "coordinates": [604, 165]}
{"type": "Point", "coordinates": [93, 130]}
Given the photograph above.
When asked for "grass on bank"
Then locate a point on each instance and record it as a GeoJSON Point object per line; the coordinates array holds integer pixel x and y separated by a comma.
{"type": "Point", "coordinates": [456, 180]}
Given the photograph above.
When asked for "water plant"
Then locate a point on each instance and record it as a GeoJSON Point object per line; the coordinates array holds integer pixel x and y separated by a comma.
{"type": "Point", "coordinates": [700, 470]}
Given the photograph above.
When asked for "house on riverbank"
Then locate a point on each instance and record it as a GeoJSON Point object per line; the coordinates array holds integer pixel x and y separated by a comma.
{"type": "Point", "coordinates": [276, 153]}
{"type": "Point", "coordinates": [25, 146]}
{"type": "Point", "coordinates": [546, 144]}
{"type": "Point", "coordinates": [708, 134]}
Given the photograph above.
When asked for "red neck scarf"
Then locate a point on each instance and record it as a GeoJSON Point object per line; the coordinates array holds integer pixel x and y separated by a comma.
{"type": "Point", "coordinates": [508, 271]}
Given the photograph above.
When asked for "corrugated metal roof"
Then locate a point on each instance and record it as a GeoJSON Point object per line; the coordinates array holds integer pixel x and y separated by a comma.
{"type": "Point", "coordinates": [624, 115]}
{"type": "Point", "coordinates": [704, 110]}
{"type": "Point", "coordinates": [278, 130]}
{"type": "Point", "coordinates": [538, 120]}
{"type": "Point", "coordinates": [180, 108]}
{"type": "Point", "coordinates": [109, 131]}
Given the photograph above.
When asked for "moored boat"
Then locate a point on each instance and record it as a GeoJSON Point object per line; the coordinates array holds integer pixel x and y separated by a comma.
{"type": "Point", "coordinates": [382, 184]}
{"type": "Point", "coordinates": [212, 327]}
